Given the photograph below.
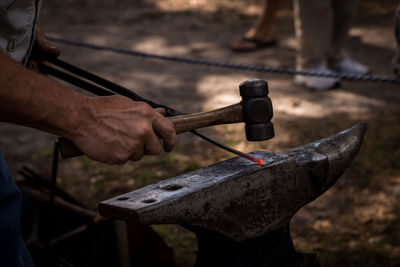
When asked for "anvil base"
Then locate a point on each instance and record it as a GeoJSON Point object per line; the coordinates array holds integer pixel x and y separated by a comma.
{"type": "Point", "coordinates": [271, 249]}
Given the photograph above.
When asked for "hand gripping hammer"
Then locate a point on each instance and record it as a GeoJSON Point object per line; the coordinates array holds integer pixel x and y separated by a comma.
{"type": "Point", "coordinates": [255, 110]}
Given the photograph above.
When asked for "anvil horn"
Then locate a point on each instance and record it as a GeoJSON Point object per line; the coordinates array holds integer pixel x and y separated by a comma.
{"type": "Point", "coordinates": [239, 199]}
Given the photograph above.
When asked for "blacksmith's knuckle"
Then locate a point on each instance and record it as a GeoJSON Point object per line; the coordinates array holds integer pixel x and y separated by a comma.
{"type": "Point", "coordinates": [171, 131]}
{"type": "Point", "coordinates": [144, 132]}
{"type": "Point", "coordinates": [122, 159]}
{"type": "Point", "coordinates": [156, 149]}
{"type": "Point", "coordinates": [134, 147]}
{"type": "Point", "coordinates": [136, 157]}
{"type": "Point", "coordinates": [145, 108]}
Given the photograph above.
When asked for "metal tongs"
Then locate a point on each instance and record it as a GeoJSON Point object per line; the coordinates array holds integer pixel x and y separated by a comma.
{"type": "Point", "coordinates": [99, 86]}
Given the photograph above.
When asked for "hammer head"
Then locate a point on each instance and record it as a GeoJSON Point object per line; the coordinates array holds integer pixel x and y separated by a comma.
{"type": "Point", "coordinates": [257, 110]}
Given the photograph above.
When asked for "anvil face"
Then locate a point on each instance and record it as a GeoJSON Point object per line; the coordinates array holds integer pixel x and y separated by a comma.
{"type": "Point", "coordinates": [238, 198]}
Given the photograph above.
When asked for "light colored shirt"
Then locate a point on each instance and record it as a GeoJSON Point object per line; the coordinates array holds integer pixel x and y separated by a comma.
{"type": "Point", "coordinates": [17, 27]}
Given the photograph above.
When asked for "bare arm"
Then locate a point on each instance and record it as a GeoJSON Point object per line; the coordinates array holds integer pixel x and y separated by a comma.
{"type": "Point", "coordinates": [29, 99]}
{"type": "Point", "coordinates": [108, 129]}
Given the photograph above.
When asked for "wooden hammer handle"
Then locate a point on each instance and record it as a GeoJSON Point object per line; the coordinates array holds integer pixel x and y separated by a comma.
{"type": "Point", "coordinates": [229, 114]}
{"type": "Point", "coordinates": [184, 123]}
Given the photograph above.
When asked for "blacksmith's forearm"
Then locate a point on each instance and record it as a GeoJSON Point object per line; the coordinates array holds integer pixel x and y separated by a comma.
{"type": "Point", "coordinates": [33, 100]}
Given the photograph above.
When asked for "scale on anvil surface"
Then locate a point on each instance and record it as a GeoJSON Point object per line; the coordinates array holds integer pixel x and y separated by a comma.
{"type": "Point", "coordinates": [239, 211]}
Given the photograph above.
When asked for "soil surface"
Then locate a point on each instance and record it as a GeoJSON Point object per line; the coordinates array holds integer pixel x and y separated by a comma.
{"type": "Point", "coordinates": [356, 223]}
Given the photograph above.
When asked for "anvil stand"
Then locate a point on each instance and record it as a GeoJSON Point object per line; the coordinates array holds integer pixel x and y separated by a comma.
{"type": "Point", "coordinates": [271, 249]}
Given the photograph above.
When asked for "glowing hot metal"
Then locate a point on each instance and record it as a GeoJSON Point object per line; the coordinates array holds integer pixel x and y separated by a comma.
{"type": "Point", "coordinates": [259, 161]}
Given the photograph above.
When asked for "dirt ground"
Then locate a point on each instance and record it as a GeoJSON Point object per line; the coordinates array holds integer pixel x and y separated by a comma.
{"type": "Point", "coordinates": [356, 223]}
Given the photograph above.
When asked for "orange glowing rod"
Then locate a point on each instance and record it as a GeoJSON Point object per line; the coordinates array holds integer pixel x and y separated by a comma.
{"type": "Point", "coordinates": [259, 161]}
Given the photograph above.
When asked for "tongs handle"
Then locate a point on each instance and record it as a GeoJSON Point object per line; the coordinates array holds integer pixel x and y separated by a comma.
{"type": "Point", "coordinates": [98, 86]}
{"type": "Point", "coordinates": [68, 148]}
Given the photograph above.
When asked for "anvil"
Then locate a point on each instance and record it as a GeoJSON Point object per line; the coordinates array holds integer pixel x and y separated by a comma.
{"type": "Point", "coordinates": [236, 204]}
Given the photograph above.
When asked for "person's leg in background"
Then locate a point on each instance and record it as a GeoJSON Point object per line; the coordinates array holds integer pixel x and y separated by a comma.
{"type": "Point", "coordinates": [313, 26]}
{"type": "Point", "coordinates": [343, 15]}
{"type": "Point", "coordinates": [13, 251]}
{"type": "Point", "coordinates": [314, 29]}
{"type": "Point", "coordinates": [261, 35]}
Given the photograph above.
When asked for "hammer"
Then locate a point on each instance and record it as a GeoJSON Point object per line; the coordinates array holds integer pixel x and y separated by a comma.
{"type": "Point", "coordinates": [255, 110]}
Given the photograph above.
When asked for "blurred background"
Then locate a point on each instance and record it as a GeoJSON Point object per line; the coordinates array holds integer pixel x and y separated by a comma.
{"type": "Point", "coordinates": [356, 223]}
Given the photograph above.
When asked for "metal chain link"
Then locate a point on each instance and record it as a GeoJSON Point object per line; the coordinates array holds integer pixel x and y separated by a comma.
{"type": "Point", "coordinates": [195, 61]}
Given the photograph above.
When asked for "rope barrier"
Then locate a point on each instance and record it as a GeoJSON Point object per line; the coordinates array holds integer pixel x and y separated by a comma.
{"type": "Point", "coordinates": [229, 65]}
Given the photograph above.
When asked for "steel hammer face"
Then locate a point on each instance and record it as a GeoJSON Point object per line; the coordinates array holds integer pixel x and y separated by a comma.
{"type": "Point", "coordinates": [238, 199]}
{"type": "Point", "coordinates": [257, 110]}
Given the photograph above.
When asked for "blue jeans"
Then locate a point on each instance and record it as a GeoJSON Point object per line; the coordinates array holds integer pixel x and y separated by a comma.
{"type": "Point", "coordinates": [13, 251]}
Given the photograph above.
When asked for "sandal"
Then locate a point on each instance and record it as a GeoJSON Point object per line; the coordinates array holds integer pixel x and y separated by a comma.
{"type": "Point", "coordinates": [252, 44]}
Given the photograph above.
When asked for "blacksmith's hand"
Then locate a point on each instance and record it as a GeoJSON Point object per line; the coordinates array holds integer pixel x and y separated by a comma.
{"type": "Point", "coordinates": [115, 129]}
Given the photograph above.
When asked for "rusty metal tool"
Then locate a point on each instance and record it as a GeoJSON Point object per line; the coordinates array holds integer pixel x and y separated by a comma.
{"type": "Point", "coordinates": [241, 213]}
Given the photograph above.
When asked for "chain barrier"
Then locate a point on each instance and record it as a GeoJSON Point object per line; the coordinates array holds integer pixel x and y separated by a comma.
{"type": "Point", "coordinates": [229, 65]}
